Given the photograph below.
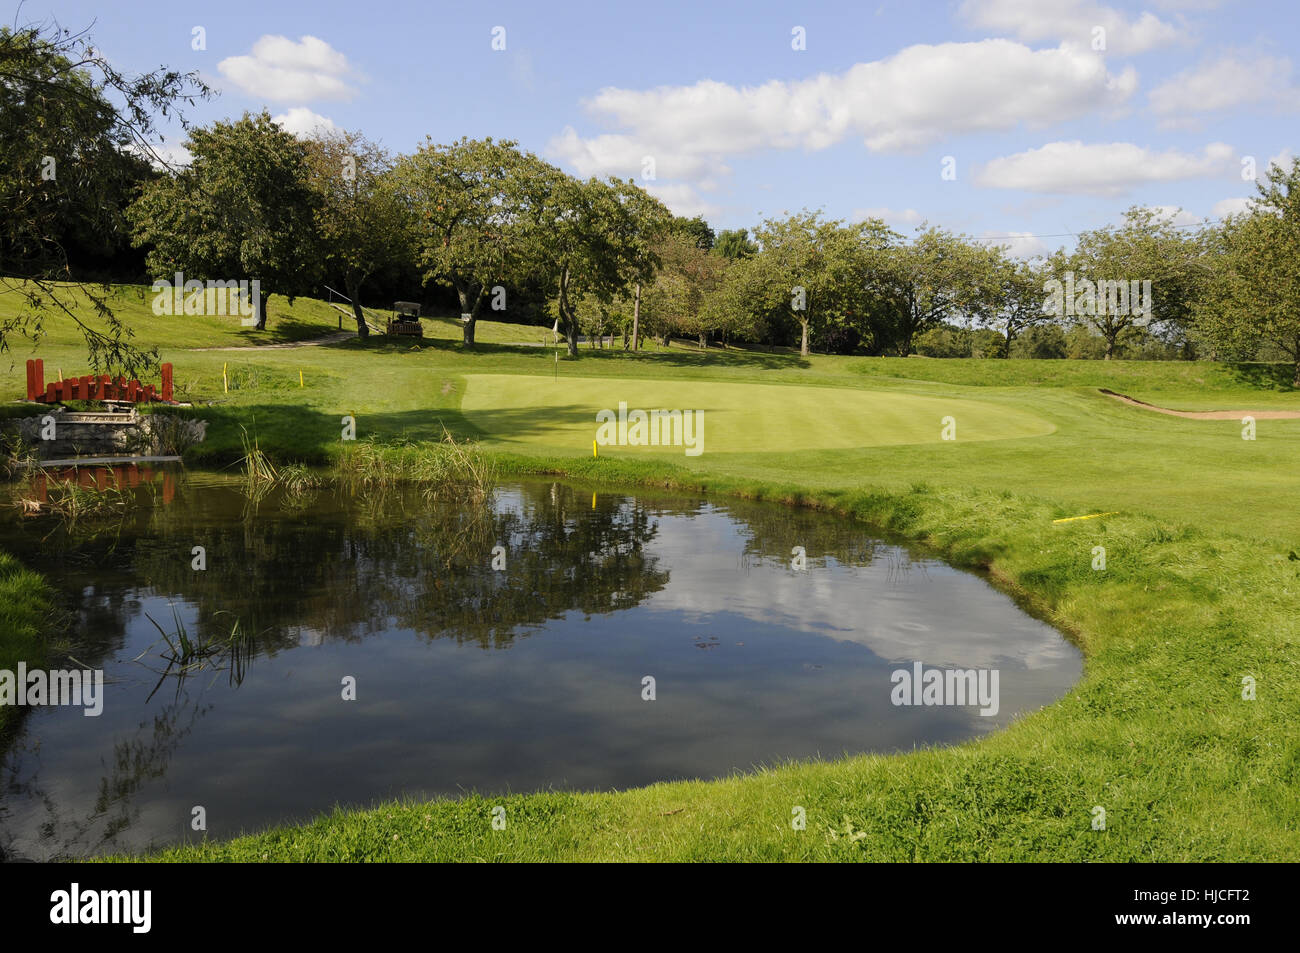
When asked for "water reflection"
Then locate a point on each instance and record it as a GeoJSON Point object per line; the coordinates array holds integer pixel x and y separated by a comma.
{"type": "Point", "coordinates": [475, 667]}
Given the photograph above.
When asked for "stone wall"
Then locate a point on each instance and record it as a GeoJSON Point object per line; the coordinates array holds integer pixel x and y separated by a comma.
{"type": "Point", "coordinates": [106, 434]}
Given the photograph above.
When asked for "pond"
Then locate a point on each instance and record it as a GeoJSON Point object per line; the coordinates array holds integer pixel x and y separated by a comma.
{"type": "Point", "coordinates": [354, 650]}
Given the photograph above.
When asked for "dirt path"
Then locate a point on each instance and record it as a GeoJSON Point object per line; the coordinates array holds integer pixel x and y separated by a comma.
{"type": "Point", "coordinates": [1207, 414]}
{"type": "Point", "coordinates": [333, 338]}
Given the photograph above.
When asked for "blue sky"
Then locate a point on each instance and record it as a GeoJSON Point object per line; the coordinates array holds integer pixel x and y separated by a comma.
{"type": "Point", "coordinates": [1047, 132]}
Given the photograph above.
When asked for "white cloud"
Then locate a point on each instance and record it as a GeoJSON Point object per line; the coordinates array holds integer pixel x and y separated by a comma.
{"type": "Point", "coordinates": [1071, 23]}
{"type": "Point", "coordinates": [918, 96]}
{"type": "Point", "coordinates": [303, 123]}
{"type": "Point", "coordinates": [682, 198]}
{"type": "Point", "coordinates": [1175, 215]}
{"type": "Point", "coordinates": [175, 156]}
{"type": "Point", "coordinates": [281, 70]}
{"type": "Point", "coordinates": [626, 158]}
{"type": "Point", "coordinates": [1223, 84]}
{"type": "Point", "coordinates": [1101, 168]}
{"type": "Point", "coordinates": [1018, 244]}
{"type": "Point", "coordinates": [893, 216]}
{"type": "Point", "coordinates": [1282, 160]}
{"type": "Point", "coordinates": [1225, 207]}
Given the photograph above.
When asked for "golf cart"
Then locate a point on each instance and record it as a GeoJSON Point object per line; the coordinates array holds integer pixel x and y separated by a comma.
{"type": "Point", "coordinates": [405, 319]}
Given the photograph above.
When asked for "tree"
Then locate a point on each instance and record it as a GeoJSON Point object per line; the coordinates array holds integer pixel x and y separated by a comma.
{"type": "Point", "coordinates": [1253, 294]}
{"type": "Point", "coordinates": [687, 278]}
{"type": "Point", "coordinates": [695, 230]}
{"type": "Point", "coordinates": [918, 285]}
{"type": "Point", "coordinates": [734, 244]}
{"type": "Point", "coordinates": [1009, 296]}
{"type": "Point", "coordinates": [361, 220]}
{"type": "Point", "coordinates": [807, 266]}
{"type": "Point", "coordinates": [75, 134]}
{"type": "Point", "coordinates": [729, 306]}
{"type": "Point", "coordinates": [244, 208]}
{"type": "Point", "coordinates": [589, 239]}
{"type": "Point", "coordinates": [467, 202]}
{"type": "Point", "coordinates": [1145, 272]}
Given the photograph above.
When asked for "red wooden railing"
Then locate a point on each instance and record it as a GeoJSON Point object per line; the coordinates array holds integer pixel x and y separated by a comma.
{"type": "Point", "coordinates": [101, 387]}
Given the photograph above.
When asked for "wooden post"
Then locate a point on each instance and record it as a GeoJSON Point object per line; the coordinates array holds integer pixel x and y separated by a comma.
{"type": "Point", "coordinates": [167, 382]}
{"type": "Point", "coordinates": [31, 379]}
{"type": "Point", "coordinates": [40, 377]}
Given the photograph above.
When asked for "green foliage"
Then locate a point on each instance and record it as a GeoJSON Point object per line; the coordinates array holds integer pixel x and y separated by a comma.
{"type": "Point", "coordinates": [1252, 298]}
{"type": "Point", "coordinates": [73, 130]}
{"type": "Point", "coordinates": [245, 208]}
{"type": "Point", "coordinates": [1146, 247]}
{"type": "Point", "coordinates": [27, 620]}
{"type": "Point", "coordinates": [735, 243]}
{"type": "Point", "coordinates": [362, 221]}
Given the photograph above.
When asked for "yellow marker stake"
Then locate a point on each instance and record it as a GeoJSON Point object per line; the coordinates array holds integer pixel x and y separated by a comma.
{"type": "Point", "coordinates": [225, 382]}
{"type": "Point", "coordinates": [300, 384]}
{"type": "Point", "coordinates": [1090, 516]}
{"type": "Point", "coordinates": [593, 449]}
{"type": "Point", "coordinates": [593, 501]}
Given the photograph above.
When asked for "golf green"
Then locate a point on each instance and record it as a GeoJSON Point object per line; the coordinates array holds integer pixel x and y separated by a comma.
{"type": "Point", "coordinates": [561, 415]}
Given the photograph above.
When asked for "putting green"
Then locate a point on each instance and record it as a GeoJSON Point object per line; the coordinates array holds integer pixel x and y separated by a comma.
{"type": "Point", "coordinates": [560, 416]}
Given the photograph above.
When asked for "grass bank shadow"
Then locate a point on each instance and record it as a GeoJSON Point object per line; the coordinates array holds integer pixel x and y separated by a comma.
{"type": "Point", "coordinates": [1279, 377]}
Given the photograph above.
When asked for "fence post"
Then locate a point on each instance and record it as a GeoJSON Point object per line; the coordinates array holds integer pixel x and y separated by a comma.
{"type": "Point", "coordinates": [167, 382]}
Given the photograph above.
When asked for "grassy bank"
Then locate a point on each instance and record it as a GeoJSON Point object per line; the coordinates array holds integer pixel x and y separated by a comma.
{"type": "Point", "coordinates": [26, 605]}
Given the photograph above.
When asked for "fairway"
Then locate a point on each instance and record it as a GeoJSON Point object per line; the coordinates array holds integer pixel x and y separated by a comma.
{"type": "Point", "coordinates": [560, 415]}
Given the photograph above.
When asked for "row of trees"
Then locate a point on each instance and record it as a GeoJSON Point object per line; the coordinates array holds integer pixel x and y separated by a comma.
{"type": "Point", "coordinates": [1227, 290]}
{"type": "Point", "coordinates": [509, 233]}
{"type": "Point", "coordinates": [480, 216]}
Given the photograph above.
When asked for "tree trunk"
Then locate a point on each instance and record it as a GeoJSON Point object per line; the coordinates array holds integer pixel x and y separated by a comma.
{"type": "Point", "coordinates": [571, 335]}
{"type": "Point", "coordinates": [567, 317]}
{"type": "Point", "coordinates": [354, 292]}
{"type": "Point", "coordinates": [463, 294]}
{"type": "Point", "coordinates": [704, 340]}
{"type": "Point", "coordinates": [636, 317]}
{"type": "Point", "coordinates": [263, 297]}
{"type": "Point", "coordinates": [803, 344]}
